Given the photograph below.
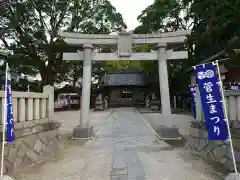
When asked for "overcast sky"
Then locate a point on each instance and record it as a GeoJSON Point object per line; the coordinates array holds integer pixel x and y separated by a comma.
{"type": "Point", "coordinates": [130, 9]}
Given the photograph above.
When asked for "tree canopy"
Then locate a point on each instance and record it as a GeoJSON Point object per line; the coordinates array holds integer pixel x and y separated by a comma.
{"type": "Point", "coordinates": [33, 25]}
{"type": "Point", "coordinates": [213, 24]}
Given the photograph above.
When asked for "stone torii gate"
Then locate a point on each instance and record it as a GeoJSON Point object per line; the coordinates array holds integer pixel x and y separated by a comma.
{"type": "Point", "coordinates": [124, 42]}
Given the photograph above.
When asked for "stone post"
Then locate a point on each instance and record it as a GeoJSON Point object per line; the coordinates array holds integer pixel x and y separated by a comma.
{"type": "Point", "coordinates": [106, 102]}
{"type": "Point", "coordinates": [199, 110]}
{"type": "Point", "coordinates": [147, 102]}
{"type": "Point", "coordinates": [50, 103]}
{"type": "Point", "coordinates": [83, 130]}
{"type": "Point", "coordinates": [163, 79]}
{"type": "Point", "coordinates": [174, 102]}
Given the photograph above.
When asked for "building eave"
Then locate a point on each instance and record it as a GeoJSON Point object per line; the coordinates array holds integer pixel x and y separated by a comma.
{"type": "Point", "coordinates": [217, 55]}
{"type": "Point", "coordinates": [209, 59]}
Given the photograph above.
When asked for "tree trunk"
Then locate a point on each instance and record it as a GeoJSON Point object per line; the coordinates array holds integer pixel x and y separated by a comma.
{"type": "Point", "coordinates": [48, 76]}
{"type": "Point", "coordinates": [75, 78]}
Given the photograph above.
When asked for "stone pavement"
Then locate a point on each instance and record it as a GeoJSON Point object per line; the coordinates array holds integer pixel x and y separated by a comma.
{"type": "Point", "coordinates": [124, 148]}
{"type": "Point", "coordinates": [70, 119]}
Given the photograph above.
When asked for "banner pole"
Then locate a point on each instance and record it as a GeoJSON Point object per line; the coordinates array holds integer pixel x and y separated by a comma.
{"type": "Point", "coordinates": [227, 120]}
{"type": "Point", "coordinates": [4, 120]}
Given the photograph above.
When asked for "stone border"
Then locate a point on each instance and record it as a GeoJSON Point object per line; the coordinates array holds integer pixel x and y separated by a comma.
{"type": "Point", "coordinates": [32, 148]}
{"type": "Point", "coordinates": [148, 125]}
{"type": "Point", "coordinates": [234, 125]}
{"type": "Point", "coordinates": [31, 127]}
{"type": "Point", "coordinates": [26, 124]}
{"type": "Point", "coordinates": [217, 152]}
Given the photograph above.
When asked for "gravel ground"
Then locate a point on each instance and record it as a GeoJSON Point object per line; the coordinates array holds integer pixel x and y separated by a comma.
{"type": "Point", "coordinates": [191, 160]}
{"type": "Point", "coordinates": [127, 130]}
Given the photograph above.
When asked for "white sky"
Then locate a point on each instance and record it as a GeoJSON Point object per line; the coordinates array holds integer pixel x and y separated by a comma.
{"type": "Point", "coordinates": [130, 9]}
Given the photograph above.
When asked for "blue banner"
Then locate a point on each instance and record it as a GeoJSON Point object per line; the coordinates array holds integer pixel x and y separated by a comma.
{"type": "Point", "coordinates": [193, 99]}
{"type": "Point", "coordinates": [10, 137]}
{"type": "Point", "coordinates": [211, 102]}
{"type": "Point", "coordinates": [232, 86]}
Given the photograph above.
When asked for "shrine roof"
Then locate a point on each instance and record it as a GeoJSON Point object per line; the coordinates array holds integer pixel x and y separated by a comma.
{"type": "Point", "coordinates": [125, 78]}
{"type": "Point", "coordinates": [222, 54]}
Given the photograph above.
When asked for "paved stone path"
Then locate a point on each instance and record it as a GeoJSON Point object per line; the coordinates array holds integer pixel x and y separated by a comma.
{"type": "Point", "coordinates": [125, 128]}
{"type": "Point", "coordinates": [126, 132]}
{"type": "Point", "coordinates": [124, 148]}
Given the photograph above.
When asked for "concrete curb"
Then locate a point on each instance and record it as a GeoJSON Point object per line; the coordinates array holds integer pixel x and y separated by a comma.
{"type": "Point", "coordinates": [233, 176]}
{"type": "Point", "coordinates": [108, 117]}
{"type": "Point", "coordinates": [151, 128]}
{"type": "Point", "coordinates": [93, 137]}
{"type": "Point", "coordinates": [6, 177]}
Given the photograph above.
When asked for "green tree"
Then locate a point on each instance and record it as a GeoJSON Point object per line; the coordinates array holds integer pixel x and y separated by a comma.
{"type": "Point", "coordinates": [213, 24]}
{"type": "Point", "coordinates": [164, 16]}
{"type": "Point", "coordinates": [34, 24]}
{"type": "Point", "coordinates": [114, 66]}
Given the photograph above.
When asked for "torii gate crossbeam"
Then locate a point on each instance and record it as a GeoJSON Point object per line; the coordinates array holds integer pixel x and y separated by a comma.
{"type": "Point", "coordinates": [124, 41]}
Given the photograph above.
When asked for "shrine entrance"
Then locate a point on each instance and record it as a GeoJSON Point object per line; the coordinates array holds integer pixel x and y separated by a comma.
{"type": "Point", "coordinates": [124, 88]}
{"type": "Point", "coordinates": [164, 42]}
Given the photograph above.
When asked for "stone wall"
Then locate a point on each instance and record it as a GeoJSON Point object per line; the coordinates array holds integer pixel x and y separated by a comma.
{"type": "Point", "coordinates": [34, 143]}
{"type": "Point", "coordinates": [215, 151]}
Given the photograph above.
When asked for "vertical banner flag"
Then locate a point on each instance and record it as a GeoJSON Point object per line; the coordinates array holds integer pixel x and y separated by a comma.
{"type": "Point", "coordinates": [10, 137]}
{"type": "Point", "coordinates": [234, 86]}
{"type": "Point", "coordinates": [193, 99]}
{"type": "Point", "coordinates": [211, 102]}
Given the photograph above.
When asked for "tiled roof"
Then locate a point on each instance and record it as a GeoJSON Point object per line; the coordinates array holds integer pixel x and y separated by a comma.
{"type": "Point", "coordinates": [220, 54]}
{"type": "Point", "coordinates": [125, 79]}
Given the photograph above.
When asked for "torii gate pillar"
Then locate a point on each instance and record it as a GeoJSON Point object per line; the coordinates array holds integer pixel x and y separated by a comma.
{"type": "Point", "coordinates": [84, 130]}
{"type": "Point", "coordinates": [163, 79]}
